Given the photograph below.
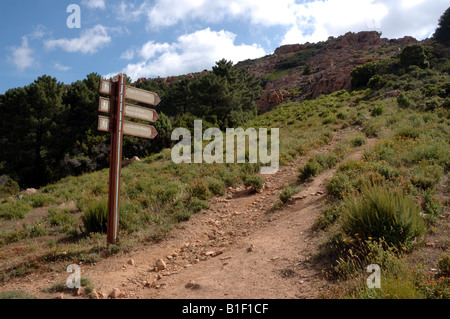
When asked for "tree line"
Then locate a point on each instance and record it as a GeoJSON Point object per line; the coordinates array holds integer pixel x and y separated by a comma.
{"type": "Point", "coordinates": [48, 130]}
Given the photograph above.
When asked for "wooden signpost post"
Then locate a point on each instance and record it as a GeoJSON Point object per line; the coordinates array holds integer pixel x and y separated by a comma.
{"type": "Point", "coordinates": [118, 127]}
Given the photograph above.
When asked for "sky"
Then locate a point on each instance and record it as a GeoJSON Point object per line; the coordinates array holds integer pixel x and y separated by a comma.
{"type": "Point", "coordinates": [69, 39]}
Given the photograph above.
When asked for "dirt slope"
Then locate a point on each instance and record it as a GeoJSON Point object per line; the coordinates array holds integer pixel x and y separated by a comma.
{"type": "Point", "coordinates": [239, 248]}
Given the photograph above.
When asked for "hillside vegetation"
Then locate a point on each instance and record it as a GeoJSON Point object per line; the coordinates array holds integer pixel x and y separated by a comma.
{"type": "Point", "coordinates": [379, 210]}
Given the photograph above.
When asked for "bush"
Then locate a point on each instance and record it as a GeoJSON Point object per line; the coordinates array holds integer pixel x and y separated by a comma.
{"type": "Point", "coordinates": [340, 185]}
{"type": "Point", "coordinates": [197, 205]}
{"type": "Point", "coordinates": [444, 265]}
{"type": "Point", "coordinates": [287, 193]}
{"type": "Point", "coordinates": [326, 161]}
{"type": "Point", "coordinates": [372, 129]}
{"type": "Point", "coordinates": [358, 141]}
{"type": "Point", "coordinates": [8, 186]}
{"type": "Point", "coordinates": [379, 213]}
{"type": "Point", "coordinates": [403, 101]}
{"type": "Point", "coordinates": [414, 54]}
{"type": "Point", "coordinates": [328, 217]}
{"type": "Point", "coordinates": [407, 132]}
{"type": "Point", "coordinates": [63, 219]}
{"type": "Point", "coordinates": [431, 204]}
{"type": "Point", "coordinates": [40, 200]}
{"type": "Point", "coordinates": [375, 82]}
{"type": "Point", "coordinates": [200, 190]}
{"type": "Point", "coordinates": [14, 210]}
{"type": "Point", "coordinates": [95, 218]}
{"type": "Point", "coordinates": [311, 169]}
{"type": "Point", "coordinates": [216, 186]}
{"type": "Point", "coordinates": [362, 74]}
{"type": "Point", "coordinates": [331, 119]}
{"type": "Point", "coordinates": [256, 182]}
{"type": "Point", "coordinates": [377, 110]}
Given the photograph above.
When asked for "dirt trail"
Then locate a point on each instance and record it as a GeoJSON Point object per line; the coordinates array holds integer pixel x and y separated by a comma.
{"type": "Point", "coordinates": [239, 248]}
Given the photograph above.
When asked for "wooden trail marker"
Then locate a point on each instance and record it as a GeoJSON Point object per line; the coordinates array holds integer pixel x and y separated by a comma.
{"type": "Point", "coordinates": [132, 111]}
{"type": "Point", "coordinates": [118, 127]}
{"type": "Point", "coordinates": [142, 96]}
{"type": "Point", "coordinates": [106, 124]}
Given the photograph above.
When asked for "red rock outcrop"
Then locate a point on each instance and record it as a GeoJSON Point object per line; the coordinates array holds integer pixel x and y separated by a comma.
{"type": "Point", "coordinates": [330, 66]}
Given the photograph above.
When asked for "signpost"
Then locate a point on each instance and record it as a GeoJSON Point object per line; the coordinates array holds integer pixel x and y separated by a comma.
{"type": "Point", "coordinates": [132, 111]}
{"type": "Point", "coordinates": [118, 127]}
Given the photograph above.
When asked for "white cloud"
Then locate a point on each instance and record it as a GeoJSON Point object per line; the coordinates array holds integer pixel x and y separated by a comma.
{"type": "Point", "coordinates": [94, 4]}
{"type": "Point", "coordinates": [22, 57]}
{"type": "Point", "coordinates": [61, 67]}
{"type": "Point", "coordinates": [90, 41]}
{"type": "Point", "coordinates": [150, 49]}
{"type": "Point", "coordinates": [127, 55]}
{"type": "Point", "coordinates": [312, 20]}
{"type": "Point", "coordinates": [165, 13]}
{"type": "Point", "coordinates": [190, 53]}
{"type": "Point", "coordinates": [318, 20]}
{"type": "Point", "coordinates": [418, 19]}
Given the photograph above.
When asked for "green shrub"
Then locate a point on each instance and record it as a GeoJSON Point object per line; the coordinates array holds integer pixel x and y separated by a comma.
{"type": "Point", "coordinates": [342, 116]}
{"type": "Point", "coordinates": [340, 185]}
{"type": "Point", "coordinates": [431, 204]}
{"type": "Point", "coordinates": [375, 82]}
{"type": "Point", "coordinates": [349, 165]}
{"type": "Point", "coordinates": [287, 193]}
{"type": "Point", "coordinates": [16, 294]}
{"type": "Point", "coordinates": [311, 169]}
{"type": "Point", "coordinates": [377, 110]}
{"type": "Point", "coordinates": [414, 54]}
{"type": "Point", "coordinates": [14, 209]}
{"type": "Point", "coordinates": [256, 182]}
{"type": "Point", "coordinates": [331, 119]}
{"type": "Point", "coordinates": [408, 132]}
{"type": "Point", "coordinates": [362, 74]}
{"type": "Point", "coordinates": [216, 186]}
{"type": "Point", "coordinates": [200, 189]}
{"type": "Point", "coordinates": [326, 161]}
{"type": "Point", "coordinates": [380, 213]}
{"type": "Point", "coordinates": [197, 205]}
{"type": "Point", "coordinates": [358, 141]}
{"type": "Point", "coordinates": [95, 218]}
{"type": "Point", "coordinates": [61, 218]}
{"type": "Point", "coordinates": [182, 215]}
{"type": "Point", "coordinates": [444, 264]}
{"type": "Point", "coordinates": [8, 186]}
{"type": "Point", "coordinates": [130, 216]}
{"type": "Point", "coordinates": [328, 217]}
{"type": "Point", "coordinates": [40, 200]}
{"type": "Point", "coordinates": [372, 129]}
{"type": "Point", "coordinates": [403, 101]}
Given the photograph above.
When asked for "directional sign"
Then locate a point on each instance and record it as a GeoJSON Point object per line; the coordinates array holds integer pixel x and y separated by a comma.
{"type": "Point", "coordinates": [142, 96]}
{"type": "Point", "coordinates": [141, 113]}
{"type": "Point", "coordinates": [105, 124]}
{"type": "Point", "coordinates": [139, 130]}
{"type": "Point", "coordinates": [118, 127]}
{"type": "Point", "coordinates": [106, 87]}
{"type": "Point", "coordinates": [131, 111]}
{"type": "Point", "coordinates": [104, 105]}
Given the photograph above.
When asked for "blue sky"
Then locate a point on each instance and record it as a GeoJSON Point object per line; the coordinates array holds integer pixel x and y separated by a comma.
{"type": "Point", "coordinates": [151, 38]}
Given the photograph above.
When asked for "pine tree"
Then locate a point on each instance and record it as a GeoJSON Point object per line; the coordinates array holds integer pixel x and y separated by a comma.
{"type": "Point", "coordinates": [32, 130]}
{"type": "Point", "coordinates": [442, 33]}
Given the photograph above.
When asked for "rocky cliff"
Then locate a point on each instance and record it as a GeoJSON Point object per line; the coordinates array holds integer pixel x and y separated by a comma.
{"type": "Point", "coordinates": [305, 71]}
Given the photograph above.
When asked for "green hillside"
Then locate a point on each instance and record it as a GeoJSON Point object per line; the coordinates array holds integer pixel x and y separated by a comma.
{"type": "Point", "coordinates": [380, 209]}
